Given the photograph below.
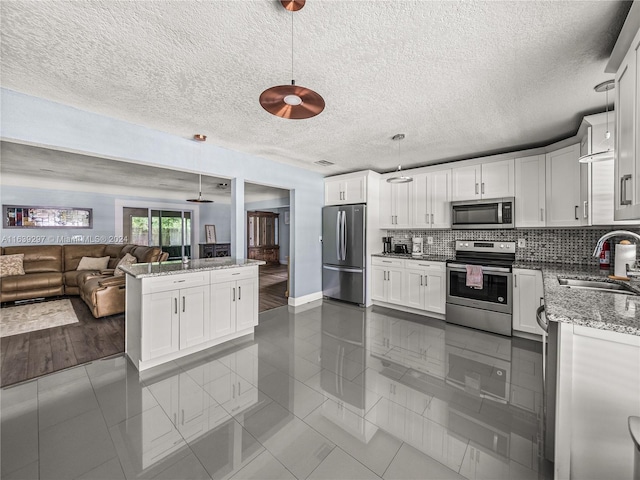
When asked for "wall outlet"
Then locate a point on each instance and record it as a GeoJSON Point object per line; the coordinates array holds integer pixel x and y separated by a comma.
{"type": "Point", "coordinates": [522, 243]}
{"type": "Point", "coordinates": [429, 240]}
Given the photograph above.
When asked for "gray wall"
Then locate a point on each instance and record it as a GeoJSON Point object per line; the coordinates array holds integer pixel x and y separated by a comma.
{"type": "Point", "coordinates": [104, 221]}
{"type": "Point", "coordinates": [39, 122]}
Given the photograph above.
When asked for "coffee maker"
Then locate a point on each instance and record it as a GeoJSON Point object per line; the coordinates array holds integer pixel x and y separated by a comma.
{"type": "Point", "coordinates": [416, 248]}
{"type": "Point", "coordinates": [386, 245]}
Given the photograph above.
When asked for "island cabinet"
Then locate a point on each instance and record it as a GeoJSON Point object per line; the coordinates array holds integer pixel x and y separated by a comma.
{"type": "Point", "coordinates": [178, 307]}
{"type": "Point", "coordinates": [175, 314]}
{"type": "Point", "coordinates": [234, 299]}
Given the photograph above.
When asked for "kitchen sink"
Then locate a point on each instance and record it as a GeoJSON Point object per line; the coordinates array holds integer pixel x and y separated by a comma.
{"type": "Point", "coordinates": [596, 285]}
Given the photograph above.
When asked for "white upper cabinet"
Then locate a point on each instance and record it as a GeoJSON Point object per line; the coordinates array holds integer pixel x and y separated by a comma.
{"type": "Point", "coordinates": [344, 189]}
{"type": "Point", "coordinates": [530, 191]}
{"type": "Point", "coordinates": [488, 180]}
{"type": "Point", "coordinates": [465, 182]}
{"type": "Point", "coordinates": [627, 139]}
{"type": "Point", "coordinates": [395, 204]}
{"type": "Point", "coordinates": [566, 188]}
{"type": "Point", "coordinates": [431, 196]}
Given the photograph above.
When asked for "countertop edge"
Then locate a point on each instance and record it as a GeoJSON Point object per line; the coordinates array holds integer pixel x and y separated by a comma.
{"type": "Point", "coordinates": [178, 268]}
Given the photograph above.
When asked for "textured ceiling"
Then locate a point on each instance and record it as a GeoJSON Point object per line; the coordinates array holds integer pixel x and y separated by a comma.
{"type": "Point", "coordinates": [92, 173]}
{"type": "Point", "coordinates": [460, 79]}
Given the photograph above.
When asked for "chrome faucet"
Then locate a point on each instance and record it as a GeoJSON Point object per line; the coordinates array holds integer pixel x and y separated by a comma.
{"type": "Point", "coordinates": [615, 233]}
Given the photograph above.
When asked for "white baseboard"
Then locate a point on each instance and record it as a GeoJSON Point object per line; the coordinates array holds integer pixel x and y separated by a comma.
{"type": "Point", "coordinates": [296, 301]}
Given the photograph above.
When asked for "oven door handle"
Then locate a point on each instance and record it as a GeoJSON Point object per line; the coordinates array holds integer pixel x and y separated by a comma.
{"type": "Point", "coordinates": [463, 268]}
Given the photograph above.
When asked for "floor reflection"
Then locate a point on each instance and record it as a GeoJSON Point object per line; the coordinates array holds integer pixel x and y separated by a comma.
{"type": "Point", "coordinates": [324, 391]}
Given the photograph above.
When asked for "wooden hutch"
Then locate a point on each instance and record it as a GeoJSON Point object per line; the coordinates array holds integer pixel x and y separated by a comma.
{"type": "Point", "coordinates": [262, 236]}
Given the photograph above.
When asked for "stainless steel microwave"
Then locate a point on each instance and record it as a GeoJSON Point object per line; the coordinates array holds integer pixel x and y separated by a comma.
{"type": "Point", "coordinates": [485, 213]}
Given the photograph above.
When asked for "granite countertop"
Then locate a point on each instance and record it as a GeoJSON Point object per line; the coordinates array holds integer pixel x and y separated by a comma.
{"type": "Point", "coordinates": [408, 256]}
{"type": "Point", "coordinates": [601, 310]}
{"type": "Point", "coordinates": [143, 270]}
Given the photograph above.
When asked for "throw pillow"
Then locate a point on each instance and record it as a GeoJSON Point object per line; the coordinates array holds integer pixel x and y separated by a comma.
{"type": "Point", "coordinates": [127, 260]}
{"type": "Point", "coordinates": [11, 265]}
{"type": "Point", "coordinates": [93, 263]}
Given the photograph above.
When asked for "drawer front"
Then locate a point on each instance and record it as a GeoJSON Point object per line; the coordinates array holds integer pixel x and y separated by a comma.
{"type": "Point", "coordinates": [172, 282]}
{"type": "Point", "coordinates": [423, 264]}
{"type": "Point", "coordinates": [231, 274]}
{"type": "Point", "coordinates": [387, 262]}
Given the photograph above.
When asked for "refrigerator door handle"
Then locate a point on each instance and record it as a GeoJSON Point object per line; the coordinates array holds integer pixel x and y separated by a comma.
{"type": "Point", "coordinates": [344, 235]}
{"type": "Point", "coordinates": [344, 269]}
{"type": "Point", "coordinates": [338, 234]}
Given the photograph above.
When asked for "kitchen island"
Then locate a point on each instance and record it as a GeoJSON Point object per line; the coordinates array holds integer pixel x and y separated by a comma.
{"type": "Point", "coordinates": [594, 371]}
{"type": "Point", "coordinates": [175, 309]}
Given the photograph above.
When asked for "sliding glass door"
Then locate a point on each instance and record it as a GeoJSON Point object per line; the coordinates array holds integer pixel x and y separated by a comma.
{"type": "Point", "coordinates": [168, 229]}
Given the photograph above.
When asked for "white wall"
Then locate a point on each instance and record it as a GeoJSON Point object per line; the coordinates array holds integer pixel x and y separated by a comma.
{"type": "Point", "coordinates": [35, 121]}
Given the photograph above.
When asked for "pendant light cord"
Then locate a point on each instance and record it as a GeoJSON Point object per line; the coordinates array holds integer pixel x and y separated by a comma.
{"type": "Point", "coordinates": [292, 80]}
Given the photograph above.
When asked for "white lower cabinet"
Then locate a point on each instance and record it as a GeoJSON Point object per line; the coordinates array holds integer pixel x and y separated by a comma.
{"type": "Point", "coordinates": [410, 283]}
{"type": "Point", "coordinates": [528, 295]}
{"type": "Point", "coordinates": [180, 320]}
{"type": "Point", "coordinates": [386, 280]}
{"type": "Point", "coordinates": [172, 315]}
{"type": "Point", "coordinates": [234, 302]}
{"type": "Point", "coordinates": [425, 285]}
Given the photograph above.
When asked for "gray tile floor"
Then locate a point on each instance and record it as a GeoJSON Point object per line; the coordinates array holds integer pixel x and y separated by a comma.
{"type": "Point", "coordinates": [327, 391]}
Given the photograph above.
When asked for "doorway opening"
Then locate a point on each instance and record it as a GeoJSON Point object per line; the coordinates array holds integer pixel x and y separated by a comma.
{"type": "Point", "coordinates": [268, 219]}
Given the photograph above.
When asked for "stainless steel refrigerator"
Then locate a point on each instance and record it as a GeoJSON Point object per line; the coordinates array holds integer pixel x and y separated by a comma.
{"type": "Point", "coordinates": [343, 252]}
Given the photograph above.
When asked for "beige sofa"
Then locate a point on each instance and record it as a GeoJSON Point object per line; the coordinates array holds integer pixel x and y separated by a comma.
{"type": "Point", "coordinates": [51, 270]}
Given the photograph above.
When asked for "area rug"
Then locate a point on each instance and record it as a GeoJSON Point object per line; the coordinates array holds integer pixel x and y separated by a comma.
{"type": "Point", "coordinates": [36, 316]}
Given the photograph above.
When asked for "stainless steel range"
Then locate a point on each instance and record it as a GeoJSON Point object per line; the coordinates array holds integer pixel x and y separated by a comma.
{"type": "Point", "coordinates": [479, 286]}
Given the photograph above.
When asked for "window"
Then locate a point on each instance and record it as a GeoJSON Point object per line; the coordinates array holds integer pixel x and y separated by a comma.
{"type": "Point", "coordinates": [168, 229]}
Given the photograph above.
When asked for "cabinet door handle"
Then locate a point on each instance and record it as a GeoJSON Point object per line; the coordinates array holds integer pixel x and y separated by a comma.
{"type": "Point", "coordinates": [482, 188]}
{"type": "Point", "coordinates": [420, 280]}
{"type": "Point", "coordinates": [542, 214]}
{"type": "Point", "coordinates": [575, 212]}
{"type": "Point", "coordinates": [584, 209]}
{"type": "Point", "coordinates": [426, 281]}
{"type": "Point", "coordinates": [239, 293]}
{"type": "Point", "coordinates": [182, 421]}
{"type": "Point", "coordinates": [234, 390]}
{"type": "Point", "coordinates": [175, 304]}
{"type": "Point", "coordinates": [623, 189]}
{"type": "Point", "coordinates": [515, 281]}
{"type": "Point", "coordinates": [239, 389]}
{"type": "Point", "coordinates": [426, 217]}
{"type": "Point", "coordinates": [183, 303]}
{"type": "Point", "coordinates": [432, 218]}
{"type": "Point", "coordinates": [234, 294]}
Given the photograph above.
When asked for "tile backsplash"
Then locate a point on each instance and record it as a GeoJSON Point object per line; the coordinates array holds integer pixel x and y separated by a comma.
{"type": "Point", "coordinates": [555, 245]}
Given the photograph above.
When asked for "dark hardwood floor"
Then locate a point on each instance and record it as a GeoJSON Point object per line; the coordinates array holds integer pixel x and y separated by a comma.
{"type": "Point", "coordinates": [273, 285]}
{"type": "Point", "coordinates": [29, 355]}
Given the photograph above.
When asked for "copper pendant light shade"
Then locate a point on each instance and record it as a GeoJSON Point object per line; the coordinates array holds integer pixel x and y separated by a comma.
{"type": "Point", "coordinates": [292, 5]}
{"type": "Point", "coordinates": [291, 101]}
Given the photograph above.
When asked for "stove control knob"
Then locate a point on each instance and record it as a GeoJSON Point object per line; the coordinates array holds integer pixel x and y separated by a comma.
{"type": "Point", "coordinates": [501, 246]}
{"type": "Point", "coordinates": [466, 244]}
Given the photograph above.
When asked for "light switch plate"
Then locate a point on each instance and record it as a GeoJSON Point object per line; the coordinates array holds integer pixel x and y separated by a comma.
{"type": "Point", "coordinates": [522, 243]}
